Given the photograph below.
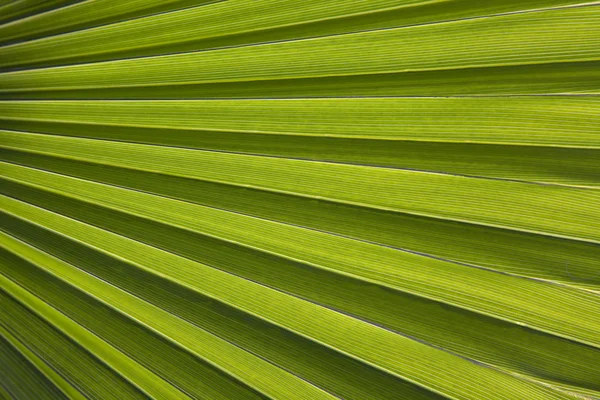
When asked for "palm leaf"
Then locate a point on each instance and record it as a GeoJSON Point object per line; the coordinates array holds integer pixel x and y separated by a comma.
{"type": "Point", "coordinates": [300, 200]}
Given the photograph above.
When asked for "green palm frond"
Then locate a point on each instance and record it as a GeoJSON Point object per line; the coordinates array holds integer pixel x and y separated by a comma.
{"type": "Point", "coordinates": [290, 199]}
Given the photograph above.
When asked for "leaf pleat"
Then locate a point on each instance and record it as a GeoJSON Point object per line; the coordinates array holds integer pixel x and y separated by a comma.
{"type": "Point", "coordinates": [266, 199]}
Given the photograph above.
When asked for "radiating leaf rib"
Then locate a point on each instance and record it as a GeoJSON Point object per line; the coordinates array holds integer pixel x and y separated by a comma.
{"type": "Point", "coordinates": [325, 367]}
{"type": "Point", "coordinates": [552, 78]}
{"type": "Point", "coordinates": [91, 294]}
{"type": "Point", "coordinates": [4, 393]}
{"type": "Point", "coordinates": [372, 344]}
{"type": "Point", "coordinates": [404, 271]}
{"type": "Point", "coordinates": [480, 338]}
{"type": "Point", "coordinates": [563, 121]}
{"type": "Point", "coordinates": [466, 142]}
{"type": "Point", "coordinates": [450, 197]}
{"type": "Point", "coordinates": [572, 262]}
{"type": "Point", "coordinates": [50, 373]}
{"type": "Point", "coordinates": [72, 360]}
{"type": "Point", "coordinates": [228, 23]}
{"type": "Point", "coordinates": [16, 9]}
{"type": "Point", "coordinates": [300, 200]}
{"type": "Point", "coordinates": [532, 38]}
{"type": "Point", "coordinates": [144, 380]}
{"type": "Point", "coordinates": [85, 14]}
{"type": "Point", "coordinates": [542, 164]}
{"type": "Point", "coordinates": [22, 374]}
